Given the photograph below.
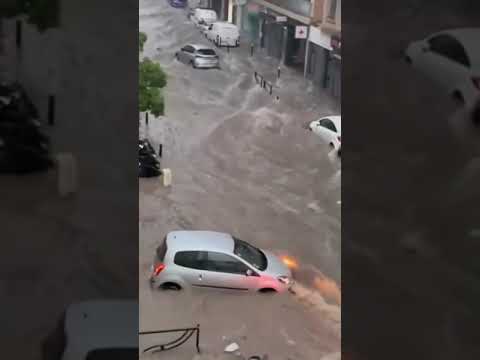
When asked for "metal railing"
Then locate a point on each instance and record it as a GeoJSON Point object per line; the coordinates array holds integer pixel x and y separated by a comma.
{"type": "Point", "coordinates": [264, 84]}
{"type": "Point", "coordinates": [187, 333]}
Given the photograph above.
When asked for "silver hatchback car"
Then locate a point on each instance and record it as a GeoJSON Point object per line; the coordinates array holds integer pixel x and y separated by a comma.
{"type": "Point", "coordinates": [216, 260]}
{"type": "Point", "coordinates": [199, 56]}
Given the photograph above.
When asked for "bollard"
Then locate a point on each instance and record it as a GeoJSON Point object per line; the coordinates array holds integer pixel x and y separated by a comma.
{"type": "Point", "coordinates": [278, 72]}
{"type": "Point", "coordinates": [146, 118]}
{"type": "Point", "coordinates": [167, 177]}
{"type": "Point", "coordinates": [271, 89]}
{"type": "Point", "coordinates": [251, 49]}
{"type": "Point", "coordinates": [66, 174]}
{"type": "Point", "coordinates": [160, 148]}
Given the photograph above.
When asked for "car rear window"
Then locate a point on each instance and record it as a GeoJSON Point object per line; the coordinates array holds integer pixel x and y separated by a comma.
{"type": "Point", "coordinates": [113, 354]}
{"type": "Point", "coordinates": [449, 47]}
{"type": "Point", "coordinates": [162, 250]}
{"type": "Point", "coordinates": [206, 52]}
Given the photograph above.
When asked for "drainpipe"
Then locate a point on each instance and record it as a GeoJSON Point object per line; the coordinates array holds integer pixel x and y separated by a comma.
{"type": "Point", "coordinates": [284, 44]}
{"type": "Point", "coordinates": [307, 58]}
{"type": "Point", "coordinates": [230, 11]}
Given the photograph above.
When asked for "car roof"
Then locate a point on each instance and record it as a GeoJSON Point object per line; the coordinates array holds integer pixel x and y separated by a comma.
{"type": "Point", "coordinates": [469, 39]}
{"type": "Point", "coordinates": [102, 324]}
{"type": "Point", "coordinates": [200, 241]}
{"type": "Point", "coordinates": [200, 46]}
{"type": "Point", "coordinates": [336, 119]}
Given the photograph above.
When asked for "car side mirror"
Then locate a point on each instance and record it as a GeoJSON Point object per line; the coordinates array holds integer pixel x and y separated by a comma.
{"type": "Point", "coordinates": [249, 272]}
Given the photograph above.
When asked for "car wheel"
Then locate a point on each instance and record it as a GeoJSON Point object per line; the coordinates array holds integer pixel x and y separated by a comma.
{"type": "Point", "coordinates": [267, 291]}
{"type": "Point", "coordinates": [193, 64]}
{"type": "Point", "coordinates": [171, 286]}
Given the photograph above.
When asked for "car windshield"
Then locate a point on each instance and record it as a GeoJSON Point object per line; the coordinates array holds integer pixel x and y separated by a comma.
{"type": "Point", "coordinates": [206, 52]}
{"type": "Point", "coordinates": [250, 254]}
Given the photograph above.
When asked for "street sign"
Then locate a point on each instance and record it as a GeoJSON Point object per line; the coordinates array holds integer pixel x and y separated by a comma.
{"type": "Point", "coordinates": [281, 19]}
{"type": "Point", "coordinates": [301, 32]}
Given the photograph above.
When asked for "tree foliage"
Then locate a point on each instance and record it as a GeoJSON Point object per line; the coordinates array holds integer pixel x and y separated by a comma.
{"type": "Point", "coordinates": [152, 80]}
{"type": "Point", "coordinates": [142, 39]}
{"type": "Point", "coordinates": [44, 14]}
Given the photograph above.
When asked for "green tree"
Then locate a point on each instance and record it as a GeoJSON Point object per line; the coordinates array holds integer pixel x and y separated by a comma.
{"type": "Point", "coordinates": [152, 80]}
{"type": "Point", "coordinates": [142, 39]}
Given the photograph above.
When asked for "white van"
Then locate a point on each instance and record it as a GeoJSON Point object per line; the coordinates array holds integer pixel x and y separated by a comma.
{"type": "Point", "coordinates": [201, 16]}
{"type": "Point", "coordinates": [223, 34]}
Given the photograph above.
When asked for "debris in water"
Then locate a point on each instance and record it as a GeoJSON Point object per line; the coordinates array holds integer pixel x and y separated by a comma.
{"type": "Point", "coordinates": [232, 348]}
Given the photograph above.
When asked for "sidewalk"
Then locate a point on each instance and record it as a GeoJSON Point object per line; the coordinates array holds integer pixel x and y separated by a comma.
{"type": "Point", "coordinates": [291, 83]}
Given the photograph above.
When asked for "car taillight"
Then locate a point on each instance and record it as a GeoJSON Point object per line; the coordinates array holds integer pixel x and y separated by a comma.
{"type": "Point", "coordinates": [476, 82]}
{"type": "Point", "coordinates": [158, 269]}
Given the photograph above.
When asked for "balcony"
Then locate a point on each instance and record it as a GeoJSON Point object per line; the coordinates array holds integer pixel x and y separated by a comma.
{"type": "Point", "coordinates": [300, 7]}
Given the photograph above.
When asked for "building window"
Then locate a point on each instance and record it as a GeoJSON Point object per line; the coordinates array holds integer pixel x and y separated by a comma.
{"type": "Point", "coordinates": [332, 10]}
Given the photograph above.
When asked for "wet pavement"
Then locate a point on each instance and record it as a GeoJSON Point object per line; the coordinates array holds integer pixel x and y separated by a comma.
{"type": "Point", "coordinates": [243, 163]}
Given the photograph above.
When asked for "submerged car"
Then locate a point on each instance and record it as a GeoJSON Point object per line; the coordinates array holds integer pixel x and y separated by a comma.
{"type": "Point", "coordinates": [329, 129]}
{"type": "Point", "coordinates": [148, 162]}
{"type": "Point", "coordinates": [217, 260]}
{"type": "Point", "coordinates": [223, 33]}
{"type": "Point", "coordinates": [178, 3]}
{"type": "Point", "coordinates": [95, 330]}
{"type": "Point", "coordinates": [198, 56]}
{"type": "Point", "coordinates": [451, 58]}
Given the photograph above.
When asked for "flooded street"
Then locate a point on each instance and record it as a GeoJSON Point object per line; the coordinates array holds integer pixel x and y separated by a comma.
{"type": "Point", "coordinates": [242, 163]}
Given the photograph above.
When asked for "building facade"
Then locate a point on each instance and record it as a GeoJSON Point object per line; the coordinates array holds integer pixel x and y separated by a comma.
{"type": "Point", "coordinates": [279, 27]}
{"type": "Point", "coordinates": [323, 58]}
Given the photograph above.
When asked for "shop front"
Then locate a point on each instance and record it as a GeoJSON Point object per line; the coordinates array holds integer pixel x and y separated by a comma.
{"type": "Point", "coordinates": [334, 68]}
{"type": "Point", "coordinates": [318, 55]}
{"type": "Point", "coordinates": [246, 15]}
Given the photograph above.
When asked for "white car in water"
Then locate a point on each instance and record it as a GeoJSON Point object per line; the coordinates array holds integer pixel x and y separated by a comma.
{"type": "Point", "coordinates": [203, 16]}
{"type": "Point", "coordinates": [451, 58]}
{"type": "Point", "coordinates": [215, 260]}
{"type": "Point", "coordinates": [223, 34]}
{"type": "Point", "coordinates": [329, 129]}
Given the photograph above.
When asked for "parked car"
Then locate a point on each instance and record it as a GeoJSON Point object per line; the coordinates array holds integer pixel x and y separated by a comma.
{"type": "Point", "coordinates": [216, 260]}
{"type": "Point", "coordinates": [203, 27]}
{"type": "Point", "coordinates": [148, 162]}
{"type": "Point", "coordinates": [208, 16]}
{"type": "Point", "coordinates": [13, 98]}
{"type": "Point", "coordinates": [178, 3]}
{"type": "Point", "coordinates": [95, 330]}
{"type": "Point", "coordinates": [329, 129]}
{"type": "Point", "coordinates": [452, 59]}
{"type": "Point", "coordinates": [24, 147]}
{"type": "Point", "coordinates": [199, 56]}
{"type": "Point", "coordinates": [223, 34]}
